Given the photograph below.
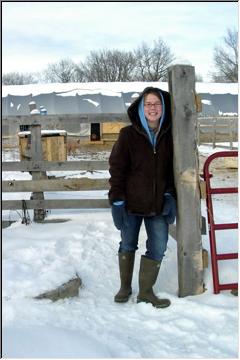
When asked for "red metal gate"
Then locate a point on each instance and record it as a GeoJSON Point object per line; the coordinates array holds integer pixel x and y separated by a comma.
{"type": "Point", "coordinates": [215, 257]}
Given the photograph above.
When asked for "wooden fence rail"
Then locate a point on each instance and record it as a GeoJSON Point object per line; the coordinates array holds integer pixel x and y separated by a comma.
{"type": "Point", "coordinates": [56, 204]}
{"type": "Point", "coordinates": [54, 120]}
{"type": "Point", "coordinates": [55, 165]}
{"type": "Point", "coordinates": [54, 185]}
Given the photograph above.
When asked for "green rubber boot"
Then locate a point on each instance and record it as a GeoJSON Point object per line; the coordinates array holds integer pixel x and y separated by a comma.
{"type": "Point", "coordinates": [126, 264]}
{"type": "Point", "coordinates": [148, 274]}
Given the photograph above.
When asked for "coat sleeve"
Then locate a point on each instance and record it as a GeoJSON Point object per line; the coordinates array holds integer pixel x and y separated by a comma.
{"type": "Point", "coordinates": [119, 162]}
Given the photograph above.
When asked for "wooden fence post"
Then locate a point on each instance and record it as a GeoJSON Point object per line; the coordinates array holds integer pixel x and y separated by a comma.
{"type": "Point", "coordinates": [189, 243]}
{"type": "Point", "coordinates": [36, 154]}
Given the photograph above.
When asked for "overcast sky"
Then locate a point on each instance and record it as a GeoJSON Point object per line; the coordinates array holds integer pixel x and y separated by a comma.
{"type": "Point", "coordinates": [35, 34]}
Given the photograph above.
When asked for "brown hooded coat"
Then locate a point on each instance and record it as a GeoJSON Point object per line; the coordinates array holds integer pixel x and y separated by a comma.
{"type": "Point", "coordinates": [139, 175]}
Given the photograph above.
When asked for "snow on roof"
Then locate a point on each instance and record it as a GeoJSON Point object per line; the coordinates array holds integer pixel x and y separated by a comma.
{"type": "Point", "coordinates": [88, 92]}
{"type": "Point", "coordinates": [217, 88]}
{"type": "Point", "coordinates": [43, 132]}
{"type": "Point", "coordinates": [108, 88]}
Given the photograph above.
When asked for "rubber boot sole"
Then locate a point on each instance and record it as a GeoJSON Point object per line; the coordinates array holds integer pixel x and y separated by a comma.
{"type": "Point", "coordinates": [123, 299]}
{"type": "Point", "coordinates": [158, 306]}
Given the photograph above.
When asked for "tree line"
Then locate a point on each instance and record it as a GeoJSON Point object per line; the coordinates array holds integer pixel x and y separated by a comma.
{"type": "Point", "coordinates": [146, 63]}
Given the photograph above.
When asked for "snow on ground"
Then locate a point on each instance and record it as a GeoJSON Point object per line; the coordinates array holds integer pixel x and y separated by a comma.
{"type": "Point", "coordinates": [39, 257]}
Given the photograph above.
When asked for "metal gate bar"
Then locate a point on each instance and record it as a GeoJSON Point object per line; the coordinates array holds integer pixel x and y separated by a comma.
{"type": "Point", "coordinates": [215, 257]}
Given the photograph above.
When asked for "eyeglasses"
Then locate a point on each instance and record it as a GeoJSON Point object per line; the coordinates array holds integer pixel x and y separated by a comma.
{"type": "Point", "coordinates": [150, 105]}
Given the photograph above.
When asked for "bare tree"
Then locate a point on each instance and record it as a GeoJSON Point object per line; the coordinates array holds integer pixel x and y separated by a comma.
{"type": "Point", "coordinates": [152, 63]}
{"type": "Point", "coordinates": [16, 78]}
{"type": "Point", "coordinates": [226, 58]}
{"type": "Point", "coordinates": [109, 65]}
{"type": "Point", "coordinates": [79, 75]}
{"type": "Point", "coordinates": [63, 71]}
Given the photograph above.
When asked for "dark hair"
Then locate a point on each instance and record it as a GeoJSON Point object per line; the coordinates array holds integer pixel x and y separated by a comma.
{"type": "Point", "coordinates": [152, 90]}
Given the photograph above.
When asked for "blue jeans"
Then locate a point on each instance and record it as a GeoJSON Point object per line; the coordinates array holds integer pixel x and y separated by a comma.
{"type": "Point", "coordinates": [157, 235]}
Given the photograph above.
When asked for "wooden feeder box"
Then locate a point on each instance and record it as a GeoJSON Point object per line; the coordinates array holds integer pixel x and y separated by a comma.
{"type": "Point", "coordinates": [54, 145]}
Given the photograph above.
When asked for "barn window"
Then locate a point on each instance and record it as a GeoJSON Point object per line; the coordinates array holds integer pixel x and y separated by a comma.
{"type": "Point", "coordinates": [95, 132]}
{"type": "Point", "coordinates": [24, 127]}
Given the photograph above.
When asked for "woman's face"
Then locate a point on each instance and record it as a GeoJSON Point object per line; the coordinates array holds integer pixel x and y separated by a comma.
{"type": "Point", "coordinates": [152, 109]}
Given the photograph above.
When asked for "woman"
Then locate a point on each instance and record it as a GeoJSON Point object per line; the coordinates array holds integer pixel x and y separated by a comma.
{"type": "Point", "coordinates": [142, 190]}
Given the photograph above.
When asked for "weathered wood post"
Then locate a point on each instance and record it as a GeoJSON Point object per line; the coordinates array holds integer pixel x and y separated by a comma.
{"type": "Point", "coordinates": [189, 244]}
{"type": "Point", "coordinates": [36, 154]}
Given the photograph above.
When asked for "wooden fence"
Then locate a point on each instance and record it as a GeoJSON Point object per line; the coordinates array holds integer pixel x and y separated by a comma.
{"type": "Point", "coordinates": [37, 167]}
{"type": "Point", "coordinates": [217, 130]}
{"type": "Point", "coordinates": [44, 185]}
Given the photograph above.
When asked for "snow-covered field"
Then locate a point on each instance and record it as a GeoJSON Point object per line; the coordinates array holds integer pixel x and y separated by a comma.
{"type": "Point", "coordinates": [40, 257]}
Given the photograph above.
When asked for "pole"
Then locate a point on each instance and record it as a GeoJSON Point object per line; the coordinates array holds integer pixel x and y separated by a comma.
{"type": "Point", "coordinates": [184, 118]}
{"type": "Point", "coordinates": [36, 154]}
